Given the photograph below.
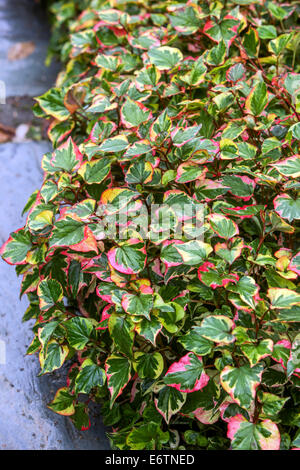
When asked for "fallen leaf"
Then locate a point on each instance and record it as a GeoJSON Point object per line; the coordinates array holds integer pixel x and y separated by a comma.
{"type": "Point", "coordinates": [20, 50]}
{"type": "Point", "coordinates": [6, 133]}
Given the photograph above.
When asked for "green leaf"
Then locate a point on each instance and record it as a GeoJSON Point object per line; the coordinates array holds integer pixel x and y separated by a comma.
{"type": "Point", "coordinates": [231, 132]}
{"type": "Point", "coordinates": [52, 102]}
{"type": "Point", "coordinates": [232, 253]}
{"type": "Point", "coordinates": [247, 151]}
{"type": "Point", "coordinates": [136, 149]}
{"type": "Point", "coordinates": [101, 103]}
{"type": "Point", "coordinates": [117, 370]}
{"type": "Point", "coordinates": [188, 171]}
{"type": "Point", "coordinates": [270, 144]}
{"type": "Point", "coordinates": [279, 44]}
{"type": "Point", "coordinates": [45, 333]}
{"type": "Point", "coordinates": [249, 436]}
{"type": "Point", "coordinates": [296, 441]}
{"type": "Point", "coordinates": [114, 144]}
{"type": "Point", "coordinates": [289, 167]}
{"type": "Point", "coordinates": [50, 293]}
{"type": "Point", "coordinates": [160, 128]}
{"type": "Point", "coordinates": [271, 405]}
{"type": "Point", "coordinates": [224, 101]}
{"type": "Point", "coordinates": [121, 330]}
{"type": "Point", "coordinates": [267, 32]}
{"type": "Point", "coordinates": [195, 342]}
{"type": "Point", "coordinates": [196, 74]}
{"type": "Point", "coordinates": [226, 29]}
{"type": "Point", "coordinates": [65, 158]}
{"type": "Point", "coordinates": [256, 352]}
{"type": "Point", "coordinates": [241, 382]}
{"type": "Point", "coordinates": [240, 186]}
{"type": "Point", "coordinates": [79, 330]}
{"type": "Point", "coordinates": [257, 99]}
{"type": "Point", "coordinates": [139, 173]}
{"type": "Point", "coordinates": [107, 62]}
{"type": "Point", "coordinates": [295, 129]}
{"type": "Point", "coordinates": [59, 130]}
{"type": "Point", "coordinates": [82, 39]}
{"type": "Point", "coordinates": [15, 249]}
{"type": "Point", "coordinates": [30, 281]}
{"type": "Point", "coordinates": [148, 365]}
{"type": "Point", "coordinates": [129, 257]}
{"type": "Point", "coordinates": [30, 203]}
{"type": "Point", "coordinates": [169, 402]}
{"type": "Point", "coordinates": [279, 224]}
{"type": "Point", "coordinates": [287, 207]}
{"type": "Point", "coordinates": [188, 23]}
{"type": "Point", "coordinates": [246, 287]}
{"type": "Point", "coordinates": [217, 54]}
{"type": "Point", "coordinates": [292, 83]}
{"type": "Point", "coordinates": [35, 344]}
{"type": "Point", "coordinates": [211, 278]}
{"type": "Point", "coordinates": [283, 298]}
{"type": "Point", "coordinates": [134, 113]}
{"type": "Point", "coordinates": [289, 315]}
{"type": "Point", "coordinates": [75, 277]}
{"type": "Point", "coordinates": [274, 377]}
{"type": "Point", "coordinates": [143, 437]}
{"type": "Point", "coordinates": [90, 376]}
{"type": "Point", "coordinates": [205, 398]}
{"type": "Point", "coordinates": [52, 357]}
{"type": "Point", "coordinates": [223, 226]}
{"type": "Point", "coordinates": [229, 148]}
{"type": "Point", "coordinates": [147, 77]}
{"type": "Point", "coordinates": [63, 402]}
{"type": "Point", "coordinates": [277, 11]}
{"type": "Point", "coordinates": [80, 418]}
{"type": "Point", "coordinates": [49, 191]}
{"type": "Point", "coordinates": [195, 438]}
{"type": "Point", "coordinates": [66, 232]}
{"type": "Point", "coordinates": [95, 171]}
{"type": "Point", "coordinates": [149, 329]}
{"type": "Point", "coordinates": [187, 375]}
{"type": "Point", "coordinates": [193, 252]}
{"type": "Point", "coordinates": [168, 317]}
{"type": "Point", "coordinates": [251, 43]}
{"type": "Point", "coordinates": [168, 176]}
{"type": "Point", "coordinates": [40, 219]}
{"type": "Point", "coordinates": [115, 199]}
{"type": "Point", "coordinates": [236, 72]}
{"type": "Point", "coordinates": [217, 328]}
{"type": "Point", "coordinates": [140, 305]}
{"type": "Point", "coordinates": [165, 57]}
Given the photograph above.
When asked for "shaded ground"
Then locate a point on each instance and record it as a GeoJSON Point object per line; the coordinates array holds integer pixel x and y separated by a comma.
{"type": "Point", "coordinates": [25, 421]}
{"type": "Point", "coordinates": [17, 110]}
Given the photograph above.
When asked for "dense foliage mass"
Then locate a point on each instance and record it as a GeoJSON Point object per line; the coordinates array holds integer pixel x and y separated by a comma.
{"type": "Point", "coordinates": [187, 341]}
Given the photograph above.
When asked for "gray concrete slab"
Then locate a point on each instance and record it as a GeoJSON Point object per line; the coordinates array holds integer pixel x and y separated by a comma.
{"type": "Point", "coordinates": [23, 21]}
{"type": "Point", "coordinates": [25, 421]}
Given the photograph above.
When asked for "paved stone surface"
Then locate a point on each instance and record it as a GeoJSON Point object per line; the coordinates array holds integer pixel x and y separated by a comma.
{"type": "Point", "coordinates": [25, 421]}
{"type": "Point", "coordinates": [22, 21]}
{"type": "Point", "coordinates": [18, 110]}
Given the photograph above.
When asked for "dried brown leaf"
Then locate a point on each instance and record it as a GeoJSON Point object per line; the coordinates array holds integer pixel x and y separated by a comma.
{"type": "Point", "coordinates": [20, 50]}
{"type": "Point", "coordinates": [6, 133]}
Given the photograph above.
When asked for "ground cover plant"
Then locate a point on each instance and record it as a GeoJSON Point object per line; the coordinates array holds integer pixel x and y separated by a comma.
{"type": "Point", "coordinates": [160, 255]}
